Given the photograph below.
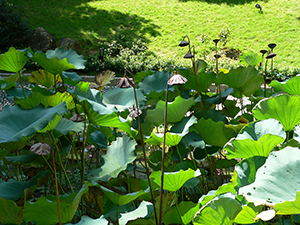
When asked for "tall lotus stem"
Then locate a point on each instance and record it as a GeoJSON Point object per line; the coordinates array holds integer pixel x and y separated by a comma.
{"type": "Point", "coordinates": [125, 82]}
{"type": "Point", "coordinates": [55, 178]}
{"type": "Point", "coordinates": [163, 154]}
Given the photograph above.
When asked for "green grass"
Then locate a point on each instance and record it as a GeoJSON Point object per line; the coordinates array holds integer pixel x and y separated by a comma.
{"type": "Point", "coordinates": [162, 23]}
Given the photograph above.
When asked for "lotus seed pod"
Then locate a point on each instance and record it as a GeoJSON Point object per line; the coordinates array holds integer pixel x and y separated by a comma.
{"type": "Point", "coordinates": [41, 148]}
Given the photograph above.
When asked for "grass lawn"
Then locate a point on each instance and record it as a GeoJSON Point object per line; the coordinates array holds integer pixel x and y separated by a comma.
{"type": "Point", "coordinates": [163, 23]}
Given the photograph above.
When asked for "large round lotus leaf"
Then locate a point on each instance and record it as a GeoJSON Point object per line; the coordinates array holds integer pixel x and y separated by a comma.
{"type": "Point", "coordinates": [71, 78]}
{"type": "Point", "coordinates": [44, 210]}
{"type": "Point", "coordinates": [284, 108]}
{"type": "Point", "coordinates": [13, 60]}
{"type": "Point", "coordinates": [243, 80]}
{"type": "Point", "coordinates": [245, 171]}
{"type": "Point", "coordinates": [221, 211]}
{"type": "Point", "coordinates": [44, 78]}
{"type": "Point", "coordinates": [65, 126]}
{"type": "Point", "coordinates": [277, 180]}
{"type": "Point", "coordinates": [291, 87]}
{"type": "Point", "coordinates": [72, 56]}
{"type": "Point", "coordinates": [119, 154]}
{"type": "Point", "coordinates": [250, 58]}
{"type": "Point", "coordinates": [256, 139]}
{"type": "Point", "coordinates": [141, 75]}
{"type": "Point", "coordinates": [17, 123]}
{"type": "Point", "coordinates": [173, 138]}
{"type": "Point", "coordinates": [204, 81]}
{"type": "Point", "coordinates": [157, 82]}
{"type": "Point", "coordinates": [175, 112]}
{"type": "Point", "coordinates": [85, 220]}
{"type": "Point", "coordinates": [213, 133]}
{"type": "Point", "coordinates": [120, 99]}
{"type": "Point", "coordinates": [122, 199]}
{"type": "Point", "coordinates": [144, 210]}
{"type": "Point", "coordinates": [10, 213]}
{"type": "Point", "coordinates": [53, 100]}
{"type": "Point", "coordinates": [288, 207]}
{"type": "Point", "coordinates": [173, 181]}
{"type": "Point", "coordinates": [247, 214]}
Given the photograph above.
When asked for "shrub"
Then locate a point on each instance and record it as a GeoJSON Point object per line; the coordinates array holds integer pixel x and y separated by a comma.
{"type": "Point", "coordinates": [13, 29]}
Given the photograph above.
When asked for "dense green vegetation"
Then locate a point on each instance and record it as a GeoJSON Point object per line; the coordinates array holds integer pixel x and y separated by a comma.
{"type": "Point", "coordinates": [162, 24]}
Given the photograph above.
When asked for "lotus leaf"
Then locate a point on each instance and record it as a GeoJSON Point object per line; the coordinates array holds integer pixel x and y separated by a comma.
{"type": "Point", "coordinates": [247, 214]}
{"type": "Point", "coordinates": [213, 133]}
{"type": "Point", "coordinates": [175, 112]}
{"type": "Point", "coordinates": [14, 127]}
{"type": "Point", "coordinates": [157, 82]}
{"type": "Point", "coordinates": [120, 99]}
{"type": "Point", "coordinates": [44, 210]}
{"type": "Point", "coordinates": [13, 190]}
{"type": "Point", "coordinates": [85, 220]}
{"type": "Point", "coordinates": [178, 131]}
{"type": "Point", "coordinates": [119, 154]}
{"type": "Point", "coordinates": [141, 75]}
{"type": "Point", "coordinates": [65, 126]}
{"type": "Point", "coordinates": [44, 78]}
{"type": "Point", "coordinates": [13, 60]}
{"type": "Point", "coordinates": [288, 207]}
{"type": "Point", "coordinates": [173, 181]}
{"type": "Point", "coordinates": [291, 87]}
{"type": "Point", "coordinates": [204, 81]}
{"type": "Point", "coordinates": [284, 108]}
{"type": "Point", "coordinates": [144, 210]}
{"type": "Point", "coordinates": [250, 58]}
{"type": "Point", "coordinates": [181, 214]}
{"type": "Point", "coordinates": [122, 199]}
{"type": "Point", "coordinates": [242, 80]}
{"type": "Point", "coordinates": [220, 211]}
{"type": "Point", "coordinates": [72, 56]}
{"type": "Point", "coordinates": [71, 78]}
{"type": "Point", "coordinates": [10, 213]}
{"type": "Point", "coordinates": [277, 180]}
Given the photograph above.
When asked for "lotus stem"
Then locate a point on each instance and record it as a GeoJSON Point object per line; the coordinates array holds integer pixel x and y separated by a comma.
{"type": "Point", "coordinates": [21, 82]}
{"type": "Point", "coordinates": [144, 155]}
{"type": "Point", "coordinates": [265, 78]}
{"type": "Point", "coordinates": [55, 179]}
{"type": "Point", "coordinates": [163, 153]}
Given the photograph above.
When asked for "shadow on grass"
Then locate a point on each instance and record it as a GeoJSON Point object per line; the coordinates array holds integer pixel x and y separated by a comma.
{"type": "Point", "coordinates": [228, 2]}
{"type": "Point", "coordinates": [91, 25]}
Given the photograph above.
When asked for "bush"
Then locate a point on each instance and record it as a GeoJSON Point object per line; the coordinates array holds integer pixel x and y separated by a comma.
{"type": "Point", "coordinates": [13, 29]}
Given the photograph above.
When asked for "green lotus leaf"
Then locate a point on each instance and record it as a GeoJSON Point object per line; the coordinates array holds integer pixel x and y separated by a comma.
{"type": "Point", "coordinates": [220, 211]}
{"type": "Point", "coordinates": [175, 112]}
{"type": "Point", "coordinates": [183, 213]}
{"type": "Point", "coordinates": [44, 210]}
{"type": "Point", "coordinates": [178, 131]}
{"type": "Point", "coordinates": [122, 199]}
{"type": "Point", "coordinates": [85, 220]}
{"type": "Point", "coordinates": [144, 210]}
{"type": "Point", "coordinates": [288, 207]}
{"type": "Point", "coordinates": [256, 139]}
{"type": "Point", "coordinates": [213, 133]}
{"type": "Point", "coordinates": [44, 78]}
{"type": "Point", "coordinates": [65, 126]}
{"type": "Point", "coordinates": [10, 213]}
{"type": "Point", "coordinates": [291, 86]}
{"type": "Point", "coordinates": [193, 139]}
{"type": "Point", "coordinates": [284, 108]}
{"type": "Point", "coordinates": [157, 82]}
{"type": "Point", "coordinates": [250, 58]}
{"type": "Point", "coordinates": [17, 124]}
{"type": "Point", "coordinates": [75, 59]}
{"type": "Point", "coordinates": [204, 81]}
{"type": "Point", "coordinates": [13, 190]}
{"type": "Point", "coordinates": [53, 100]}
{"type": "Point", "coordinates": [248, 213]}
{"type": "Point", "coordinates": [98, 138]}
{"type": "Point", "coordinates": [52, 65]}
{"type": "Point", "coordinates": [173, 181]}
{"type": "Point", "coordinates": [13, 60]}
{"type": "Point", "coordinates": [71, 78]}
{"type": "Point", "coordinates": [277, 180]}
{"type": "Point", "coordinates": [29, 159]}
{"type": "Point", "coordinates": [17, 93]}
{"type": "Point", "coordinates": [119, 154]}
{"type": "Point", "coordinates": [120, 99]}
{"type": "Point", "coordinates": [225, 188]}
{"type": "Point", "coordinates": [245, 171]}
{"type": "Point", "coordinates": [141, 75]}
{"type": "Point", "coordinates": [9, 82]}
{"type": "Point", "coordinates": [242, 80]}
{"type": "Point", "coordinates": [15, 145]}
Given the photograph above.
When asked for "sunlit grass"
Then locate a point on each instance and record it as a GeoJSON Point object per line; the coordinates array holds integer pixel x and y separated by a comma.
{"type": "Point", "coordinates": [163, 23]}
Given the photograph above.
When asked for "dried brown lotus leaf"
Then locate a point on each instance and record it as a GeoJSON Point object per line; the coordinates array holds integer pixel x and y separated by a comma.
{"type": "Point", "coordinates": [41, 149]}
{"type": "Point", "coordinates": [77, 118]}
